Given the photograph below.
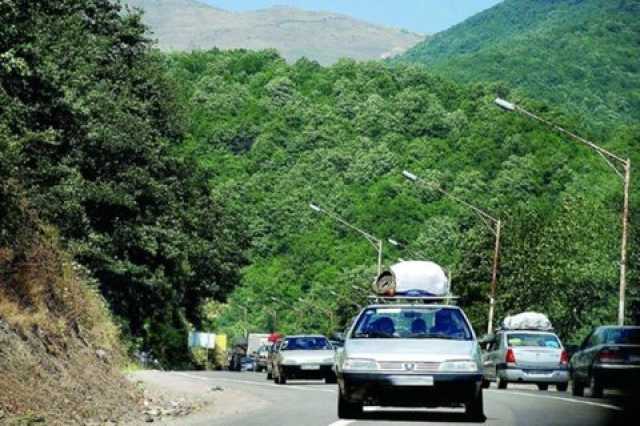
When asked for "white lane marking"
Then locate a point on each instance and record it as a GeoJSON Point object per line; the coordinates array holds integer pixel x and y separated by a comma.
{"type": "Point", "coordinates": [559, 398]}
{"type": "Point", "coordinates": [249, 382]}
{"type": "Point", "coordinates": [342, 423]}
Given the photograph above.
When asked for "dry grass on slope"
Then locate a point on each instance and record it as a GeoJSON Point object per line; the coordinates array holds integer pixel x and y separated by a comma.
{"type": "Point", "coordinates": [59, 349]}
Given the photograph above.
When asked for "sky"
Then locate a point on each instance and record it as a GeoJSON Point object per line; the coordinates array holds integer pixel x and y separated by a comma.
{"type": "Point", "coordinates": [423, 16]}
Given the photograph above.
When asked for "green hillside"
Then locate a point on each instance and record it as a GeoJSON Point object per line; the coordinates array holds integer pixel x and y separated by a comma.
{"type": "Point", "coordinates": [277, 136]}
{"type": "Point", "coordinates": [575, 55]}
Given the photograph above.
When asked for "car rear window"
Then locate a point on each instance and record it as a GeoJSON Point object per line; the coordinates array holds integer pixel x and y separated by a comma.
{"type": "Point", "coordinates": [533, 340]}
{"type": "Point", "coordinates": [622, 336]}
{"type": "Point", "coordinates": [305, 344]}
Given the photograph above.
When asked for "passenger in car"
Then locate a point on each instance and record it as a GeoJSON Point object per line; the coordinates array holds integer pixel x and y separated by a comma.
{"type": "Point", "coordinates": [418, 326]}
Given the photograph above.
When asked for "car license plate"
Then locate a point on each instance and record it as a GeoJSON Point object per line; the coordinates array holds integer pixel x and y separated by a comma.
{"type": "Point", "coordinates": [634, 358]}
{"type": "Point", "coordinates": [412, 380]}
{"type": "Point", "coordinates": [310, 367]}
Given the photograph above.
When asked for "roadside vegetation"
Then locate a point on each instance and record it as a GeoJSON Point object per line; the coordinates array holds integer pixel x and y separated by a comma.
{"type": "Point", "coordinates": [276, 137]}
{"type": "Point", "coordinates": [145, 194]}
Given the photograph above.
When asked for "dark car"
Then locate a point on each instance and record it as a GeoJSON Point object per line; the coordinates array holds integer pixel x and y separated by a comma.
{"type": "Point", "coordinates": [609, 358]}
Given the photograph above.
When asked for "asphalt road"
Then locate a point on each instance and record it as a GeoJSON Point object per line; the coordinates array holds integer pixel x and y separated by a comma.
{"type": "Point", "coordinates": [314, 403]}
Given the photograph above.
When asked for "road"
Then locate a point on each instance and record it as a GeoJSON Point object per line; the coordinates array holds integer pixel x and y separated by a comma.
{"type": "Point", "coordinates": [314, 404]}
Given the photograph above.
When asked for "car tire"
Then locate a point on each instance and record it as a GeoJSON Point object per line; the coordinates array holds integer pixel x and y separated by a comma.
{"type": "Point", "coordinates": [502, 384]}
{"type": "Point", "coordinates": [595, 386]}
{"type": "Point", "coordinates": [282, 380]}
{"type": "Point", "coordinates": [474, 409]}
{"type": "Point", "coordinates": [269, 375]}
{"type": "Point", "coordinates": [486, 384]}
{"type": "Point", "coordinates": [331, 380]}
{"type": "Point", "coordinates": [347, 409]}
{"type": "Point", "coordinates": [543, 386]}
{"type": "Point", "coordinates": [562, 387]}
{"type": "Point", "coordinates": [577, 388]}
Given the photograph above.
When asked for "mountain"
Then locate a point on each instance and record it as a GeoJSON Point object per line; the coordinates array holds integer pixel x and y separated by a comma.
{"type": "Point", "coordinates": [580, 55]}
{"type": "Point", "coordinates": [321, 36]}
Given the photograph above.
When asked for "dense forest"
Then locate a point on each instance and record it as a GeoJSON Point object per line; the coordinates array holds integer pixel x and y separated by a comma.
{"type": "Point", "coordinates": [181, 182]}
{"type": "Point", "coordinates": [88, 129]}
{"type": "Point", "coordinates": [574, 54]}
{"type": "Point", "coordinates": [276, 137]}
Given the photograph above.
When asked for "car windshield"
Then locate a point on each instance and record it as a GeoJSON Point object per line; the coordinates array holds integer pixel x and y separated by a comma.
{"type": "Point", "coordinates": [412, 323]}
{"type": "Point", "coordinates": [533, 339]}
{"type": "Point", "coordinates": [305, 344]}
{"type": "Point", "coordinates": [622, 336]}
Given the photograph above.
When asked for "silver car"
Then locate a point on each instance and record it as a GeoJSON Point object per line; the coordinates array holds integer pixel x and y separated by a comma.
{"type": "Point", "coordinates": [304, 357]}
{"type": "Point", "coordinates": [410, 355]}
{"type": "Point", "coordinates": [526, 356]}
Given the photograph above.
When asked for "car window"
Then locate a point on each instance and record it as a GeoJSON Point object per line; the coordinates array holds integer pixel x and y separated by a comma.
{"type": "Point", "coordinates": [305, 344]}
{"type": "Point", "coordinates": [533, 340]}
{"type": "Point", "coordinates": [415, 322]}
{"type": "Point", "coordinates": [622, 336]}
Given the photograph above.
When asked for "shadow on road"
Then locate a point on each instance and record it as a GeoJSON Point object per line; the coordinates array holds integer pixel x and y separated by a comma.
{"type": "Point", "coordinates": [416, 416]}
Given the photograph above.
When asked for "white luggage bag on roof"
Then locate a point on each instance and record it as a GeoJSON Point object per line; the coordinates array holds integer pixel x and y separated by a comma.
{"type": "Point", "coordinates": [413, 278]}
{"type": "Point", "coordinates": [527, 321]}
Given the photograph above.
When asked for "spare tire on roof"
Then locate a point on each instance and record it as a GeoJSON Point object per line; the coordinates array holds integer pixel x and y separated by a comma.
{"type": "Point", "coordinates": [413, 278]}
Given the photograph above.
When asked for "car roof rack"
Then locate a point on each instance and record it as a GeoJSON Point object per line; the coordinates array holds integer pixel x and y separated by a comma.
{"type": "Point", "coordinates": [414, 300]}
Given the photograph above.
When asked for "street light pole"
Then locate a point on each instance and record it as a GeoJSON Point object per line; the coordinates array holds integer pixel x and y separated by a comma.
{"type": "Point", "coordinates": [626, 178]}
{"type": "Point", "coordinates": [374, 241]}
{"type": "Point", "coordinates": [494, 225]}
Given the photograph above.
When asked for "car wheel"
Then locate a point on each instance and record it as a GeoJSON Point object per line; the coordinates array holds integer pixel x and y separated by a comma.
{"type": "Point", "coordinates": [332, 379]}
{"type": "Point", "coordinates": [486, 384]}
{"type": "Point", "coordinates": [543, 386]}
{"type": "Point", "coordinates": [577, 388]}
{"type": "Point", "coordinates": [347, 409]}
{"type": "Point", "coordinates": [596, 388]}
{"type": "Point", "coordinates": [282, 380]}
{"type": "Point", "coordinates": [502, 383]}
{"type": "Point", "coordinates": [269, 375]}
{"type": "Point", "coordinates": [474, 409]}
{"type": "Point", "coordinates": [562, 387]}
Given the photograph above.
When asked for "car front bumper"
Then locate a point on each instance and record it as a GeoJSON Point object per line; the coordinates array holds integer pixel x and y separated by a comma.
{"type": "Point", "coordinates": [324, 371]}
{"type": "Point", "coordinates": [447, 389]}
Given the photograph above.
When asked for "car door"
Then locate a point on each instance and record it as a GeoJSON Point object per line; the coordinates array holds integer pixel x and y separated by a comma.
{"type": "Point", "coordinates": [584, 356]}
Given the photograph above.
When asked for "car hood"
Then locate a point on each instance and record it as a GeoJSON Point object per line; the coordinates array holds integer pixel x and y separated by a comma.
{"type": "Point", "coordinates": [309, 356]}
{"type": "Point", "coordinates": [423, 350]}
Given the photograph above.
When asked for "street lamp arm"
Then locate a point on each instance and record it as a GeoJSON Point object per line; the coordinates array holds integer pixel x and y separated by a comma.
{"type": "Point", "coordinates": [373, 240]}
{"type": "Point", "coordinates": [438, 188]}
{"type": "Point", "coordinates": [564, 131]}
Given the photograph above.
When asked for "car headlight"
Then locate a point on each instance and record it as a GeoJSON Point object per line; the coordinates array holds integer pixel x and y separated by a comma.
{"type": "Point", "coordinates": [289, 361]}
{"type": "Point", "coordinates": [359, 364]}
{"type": "Point", "coordinates": [459, 366]}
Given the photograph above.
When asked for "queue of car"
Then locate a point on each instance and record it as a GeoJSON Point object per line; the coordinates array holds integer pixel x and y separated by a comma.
{"type": "Point", "coordinates": [412, 347]}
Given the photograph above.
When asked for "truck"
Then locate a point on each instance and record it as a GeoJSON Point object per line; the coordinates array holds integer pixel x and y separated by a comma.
{"type": "Point", "coordinates": [255, 340]}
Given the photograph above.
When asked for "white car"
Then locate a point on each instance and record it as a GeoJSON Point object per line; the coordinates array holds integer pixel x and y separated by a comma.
{"type": "Point", "coordinates": [304, 357]}
{"type": "Point", "coordinates": [526, 356]}
{"type": "Point", "coordinates": [410, 355]}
